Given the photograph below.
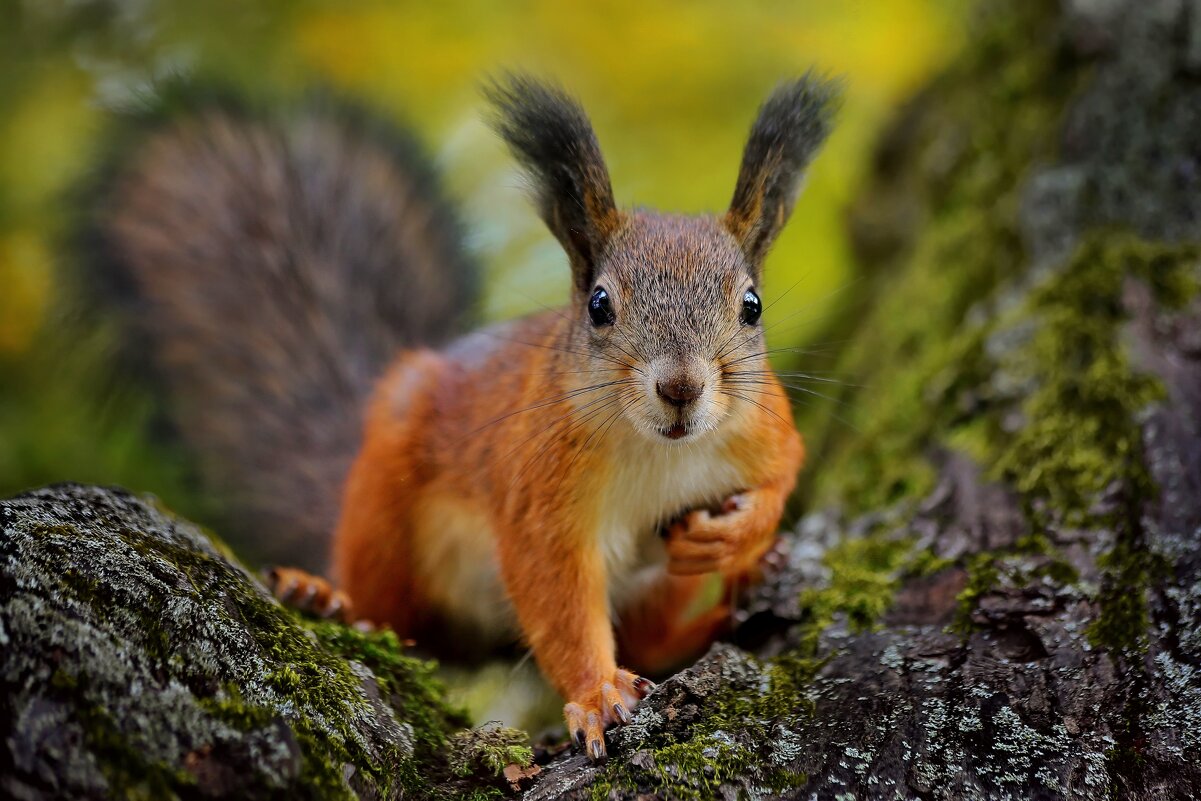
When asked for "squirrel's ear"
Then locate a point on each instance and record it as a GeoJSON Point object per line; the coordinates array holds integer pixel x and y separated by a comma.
{"type": "Point", "coordinates": [791, 126]}
{"type": "Point", "coordinates": [550, 135]}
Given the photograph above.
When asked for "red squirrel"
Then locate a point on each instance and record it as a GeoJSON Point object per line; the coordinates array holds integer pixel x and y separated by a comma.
{"type": "Point", "coordinates": [568, 479]}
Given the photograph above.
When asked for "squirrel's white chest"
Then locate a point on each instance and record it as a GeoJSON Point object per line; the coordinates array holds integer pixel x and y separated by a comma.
{"type": "Point", "coordinates": [648, 485]}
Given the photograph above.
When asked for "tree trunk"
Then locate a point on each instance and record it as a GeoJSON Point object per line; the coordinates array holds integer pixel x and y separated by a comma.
{"type": "Point", "coordinates": [1001, 595]}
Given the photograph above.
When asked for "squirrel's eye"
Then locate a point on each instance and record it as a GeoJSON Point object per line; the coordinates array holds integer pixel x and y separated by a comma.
{"type": "Point", "coordinates": [600, 309]}
{"type": "Point", "coordinates": [751, 307]}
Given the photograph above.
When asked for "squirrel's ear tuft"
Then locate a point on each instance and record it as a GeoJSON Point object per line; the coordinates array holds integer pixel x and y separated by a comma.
{"type": "Point", "coordinates": [791, 126]}
{"type": "Point", "coordinates": [550, 135]}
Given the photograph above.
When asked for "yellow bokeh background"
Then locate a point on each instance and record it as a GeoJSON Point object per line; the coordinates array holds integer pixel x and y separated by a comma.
{"type": "Point", "coordinates": [672, 88]}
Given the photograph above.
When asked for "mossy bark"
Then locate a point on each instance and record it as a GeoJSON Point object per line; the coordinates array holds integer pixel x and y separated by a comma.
{"type": "Point", "coordinates": [1001, 592]}
{"type": "Point", "coordinates": [139, 660]}
{"type": "Point", "coordinates": [998, 595]}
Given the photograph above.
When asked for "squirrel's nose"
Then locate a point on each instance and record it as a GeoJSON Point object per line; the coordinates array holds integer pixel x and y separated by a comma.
{"type": "Point", "coordinates": [679, 391]}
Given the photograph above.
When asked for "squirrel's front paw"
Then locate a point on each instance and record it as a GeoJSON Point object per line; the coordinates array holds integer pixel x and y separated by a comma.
{"type": "Point", "coordinates": [712, 540]}
{"type": "Point", "coordinates": [308, 593]}
{"type": "Point", "coordinates": [607, 704]}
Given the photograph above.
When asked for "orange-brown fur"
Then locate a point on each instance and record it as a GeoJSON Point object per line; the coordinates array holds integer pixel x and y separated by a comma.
{"type": "Point", "coordinates": [432, 431]}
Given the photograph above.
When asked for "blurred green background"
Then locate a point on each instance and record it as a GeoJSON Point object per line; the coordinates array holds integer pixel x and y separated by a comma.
{"type": "Point", "coordinates": [672, 88]}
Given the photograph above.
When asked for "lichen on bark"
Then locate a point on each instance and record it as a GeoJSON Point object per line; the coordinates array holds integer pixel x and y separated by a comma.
{"type": "Point", "coordinates": [141, 661]}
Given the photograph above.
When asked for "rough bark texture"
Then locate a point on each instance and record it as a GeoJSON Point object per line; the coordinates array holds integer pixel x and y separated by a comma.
{"type": "Point", "coordinates": [1000, 596]}
{"type": "Point", "coordinates": [140, 661]}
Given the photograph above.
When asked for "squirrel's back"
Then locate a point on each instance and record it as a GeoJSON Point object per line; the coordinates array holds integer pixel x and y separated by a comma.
{"type": "Point", "coordinates": [267, 266]}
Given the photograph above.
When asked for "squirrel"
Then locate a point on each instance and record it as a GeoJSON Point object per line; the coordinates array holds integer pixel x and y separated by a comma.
{"type": "Point", "coordinates": [571, 479]}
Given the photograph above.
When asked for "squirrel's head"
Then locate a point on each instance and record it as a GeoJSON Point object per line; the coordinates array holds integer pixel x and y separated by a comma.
{"type": "Point", "coordinates": [668, 306]}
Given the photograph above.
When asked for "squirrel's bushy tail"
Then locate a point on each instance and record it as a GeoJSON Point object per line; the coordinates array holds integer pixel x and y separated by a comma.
{"type": "Point", "coordinates": [268, 265]}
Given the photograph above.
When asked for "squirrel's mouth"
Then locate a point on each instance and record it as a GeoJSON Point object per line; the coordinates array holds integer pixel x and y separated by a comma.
{"type": "Point", "coordinates": [676, 431]}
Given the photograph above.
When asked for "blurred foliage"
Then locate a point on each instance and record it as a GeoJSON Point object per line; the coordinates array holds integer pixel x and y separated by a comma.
{"type": "Point", "coordinates": [672, 87]}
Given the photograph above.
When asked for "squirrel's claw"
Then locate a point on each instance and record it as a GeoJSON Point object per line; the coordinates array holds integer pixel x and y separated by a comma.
{"type": "Point", "coordinates": [586, 730]}
{"type": "Point", "coordinates": [611, 704]}
{"type": "Point", "coordinates": [635, 685]}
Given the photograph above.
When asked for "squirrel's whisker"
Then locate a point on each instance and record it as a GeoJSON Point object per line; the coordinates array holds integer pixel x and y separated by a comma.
{"type": "Point", "coordinates": [765, 383]}
{"type": "Point", "coordinates": [602, 428]}
{"type": "Point", "coordinates": [554, 435]}
{"type": "Point", "coordinates": [760, 405]}
{"type": "Point", "coordinates": [541, 404]}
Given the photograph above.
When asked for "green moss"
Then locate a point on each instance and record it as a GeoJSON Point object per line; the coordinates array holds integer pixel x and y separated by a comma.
{"type": "Point", "coordinates": [126, 769]}
{"type": "Point", "coordinates": [1123, 623]}
{"type": "Point", "coordinates": [411, 685]}
{"type": "Point", "coordinates": [1040, 393]}
{"type": "Point", "coordinates": [932, 367]}
{"type": "Point", "coordinates": [313, 673]}
{"type": "Point", "coordinates": [694, 770]}
{"type": "Point", "coordinates": [922, 564]}
{"type": "Point", "coordinates": [285, 679]}
{"type": "Point", "coordinates": [229, 707]}
{"type": "Point", "coordinates": [309, 671]}
{"type": "Point", "coordinates": [1080, 434]}
{"type": "Point", "coordinates": [977, 130]}
{"type": "Point", "coordinates": [1010, 568]}
{"type": "Point", "coordinates": [864, 576]}
{"type": "Point", "coordinates": [736, 740]}
{"type": "Point", "coordinates": [318, 683]}
{"type": "Point", "coordinates": [983, 576]}
{"type": "Point", "coordinates": [789, 675]}
{"type": "Point", "coordinates": [489, 749]}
